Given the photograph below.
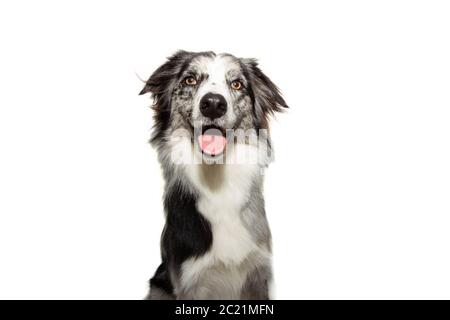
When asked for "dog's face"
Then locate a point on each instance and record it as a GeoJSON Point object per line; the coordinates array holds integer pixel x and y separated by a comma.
{"type": "Point", "coordinates": [211, 96]}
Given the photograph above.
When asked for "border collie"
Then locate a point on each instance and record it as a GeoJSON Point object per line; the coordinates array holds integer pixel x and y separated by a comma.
{"type": "Point", "coordinates": [211, 134]}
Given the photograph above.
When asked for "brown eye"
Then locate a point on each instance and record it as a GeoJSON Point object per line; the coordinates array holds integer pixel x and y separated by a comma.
{"type": "Point", "coordinates": [236, 85]}
{"type": "Point", "coordinates": [190, 81]}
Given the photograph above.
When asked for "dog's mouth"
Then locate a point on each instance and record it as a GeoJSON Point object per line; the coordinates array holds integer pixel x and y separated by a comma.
{"type": "Point", "coordinates": [212, 141]}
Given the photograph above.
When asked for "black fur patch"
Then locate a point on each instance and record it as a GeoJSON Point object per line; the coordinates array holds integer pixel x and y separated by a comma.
{"type": "Point", "coordinates": [187, 233]}
{"type": "Point", "coordinates": [161, 279]}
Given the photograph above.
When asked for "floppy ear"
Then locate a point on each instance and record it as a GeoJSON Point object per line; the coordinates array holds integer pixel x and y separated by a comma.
{"type": "Point", "coordinates": [266, 95]}
{"type": "Point", "coordinates": [160, 79]}
{"type": "Point", "coordinates": [160, 85]}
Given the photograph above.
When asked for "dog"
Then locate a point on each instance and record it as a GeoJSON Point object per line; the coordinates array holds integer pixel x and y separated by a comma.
{"type": "Point", "coordinates": [211, 114]}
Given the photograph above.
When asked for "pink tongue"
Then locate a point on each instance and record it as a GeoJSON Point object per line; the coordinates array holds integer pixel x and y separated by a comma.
{"type": "Point", "coordinates": [212, 144]}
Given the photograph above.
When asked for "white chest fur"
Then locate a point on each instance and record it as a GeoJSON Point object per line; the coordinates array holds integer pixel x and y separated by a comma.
{"type": "Point", "coordinates": [220, 202]}
{"type": "Point", "coordinates": [232, 241]}
{"type": "Point", "coordinates": [221, 205]}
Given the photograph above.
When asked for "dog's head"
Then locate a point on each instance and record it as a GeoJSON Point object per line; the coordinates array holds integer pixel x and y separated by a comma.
{"type": "Point", "coordinates": [210, 97]}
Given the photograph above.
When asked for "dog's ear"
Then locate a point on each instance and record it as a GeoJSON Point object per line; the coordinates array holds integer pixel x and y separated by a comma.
{"type": "Point", "coordinates": [266, 95]}
{"type": "Point", "coordinates": [160, 79]}
{"type": "Point", "coordinates": [160, 85]}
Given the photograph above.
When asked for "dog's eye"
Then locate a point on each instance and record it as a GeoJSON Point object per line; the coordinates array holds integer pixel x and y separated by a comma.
{"type": "Point", "coordinates": [190, 81]}
{"type": "Point", "coordinates": [236, 85]}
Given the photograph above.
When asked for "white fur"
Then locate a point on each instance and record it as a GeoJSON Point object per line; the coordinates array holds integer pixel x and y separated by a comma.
{"type": "Point", "coordinates": [232, 242]}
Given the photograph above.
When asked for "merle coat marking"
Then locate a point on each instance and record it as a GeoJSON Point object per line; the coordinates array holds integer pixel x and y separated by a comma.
{"type": "Point", "coordinates": [216, 243]}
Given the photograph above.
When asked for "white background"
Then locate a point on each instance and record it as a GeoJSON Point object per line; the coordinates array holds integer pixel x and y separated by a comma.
{"type": "Point", "coordinates": [358, 197]}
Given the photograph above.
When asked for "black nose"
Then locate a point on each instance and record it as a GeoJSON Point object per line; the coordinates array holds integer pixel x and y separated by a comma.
{"type": "Point", "coordinates": [213, 105]}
